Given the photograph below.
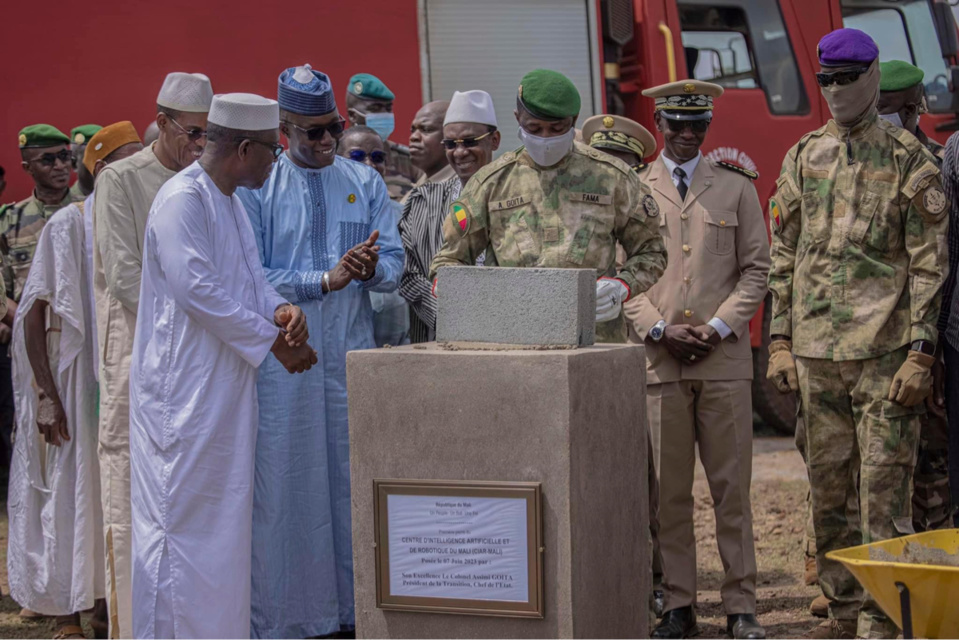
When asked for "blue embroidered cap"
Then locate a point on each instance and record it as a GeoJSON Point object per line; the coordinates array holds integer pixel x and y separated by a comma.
{"type": "Point", "coordinates": [305, 91]}
{"type": "Point", "coordinates": [846, 47]}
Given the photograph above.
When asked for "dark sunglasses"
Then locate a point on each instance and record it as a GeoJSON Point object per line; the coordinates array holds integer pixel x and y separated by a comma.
{"type": "Point", "coordinates": [468, 143]}
{"type": "Point", "coordinates": [376, 157]}
{"type": "Point", "coordinates": [192, 134]}
{"type": "Point", "coordinates": [275, 148]}
{"type": "Point", "coordinates": [317, 133]}
{"type": "Point", "coordinates": [697, 126]}
{"type": "Point", "coordinates": [844, 77]}
{"type": "Point", "coordinates": [50, 159]}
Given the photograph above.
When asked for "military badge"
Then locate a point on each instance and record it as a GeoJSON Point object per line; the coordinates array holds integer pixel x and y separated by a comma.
{"type": "Point", "coordinates": [775, 213]}
{"type": "Point", "coordinates": [79, 139]}
{"type": "Point", "coordinates": [352, 197]}
{"type": "Point", "coordinates": [460, 216]}
{"type": "Point", "coordinates": [608, 122]}
{"type": "Point", "coordinates": [689, 87]}
{"type": "Point", "coordinates": [649, 204]}
{"type": "Point", "coordinates": [98, 147]}
{"type": "Point", "coordinates": [23, 139]}
{"type": "Point", "coordinates": [934, 200]}
{"type": "Point", "coordinates": [358, 88]}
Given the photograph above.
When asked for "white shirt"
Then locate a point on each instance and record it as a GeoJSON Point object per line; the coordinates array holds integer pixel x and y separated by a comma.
{"type": "Point", "coordinates": [688, 168]}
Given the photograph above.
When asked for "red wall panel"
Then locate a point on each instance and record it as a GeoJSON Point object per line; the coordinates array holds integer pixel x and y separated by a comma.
{"type": "Point", "coordinates": [70, 63]}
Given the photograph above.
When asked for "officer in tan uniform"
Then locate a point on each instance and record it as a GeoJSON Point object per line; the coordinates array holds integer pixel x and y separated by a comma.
{"type": "Point", "coordinates": [695, 325]}
{"type": "Point", "coordinates": [556, 203]}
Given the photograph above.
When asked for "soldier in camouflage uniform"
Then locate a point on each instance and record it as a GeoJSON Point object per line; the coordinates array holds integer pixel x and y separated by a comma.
{"type": "Point", "coordinates": [47, 158]}
{"type": "Point", "coordinates": [558, 203]}
{"type": "Point", "coordinates": [902, 102]}
{"type": "Point", "coordinates": [858, 235]}
{"type": "Point", "coordinates": [84, 184]}
{"type": "Point", "coordinates": [369, 101]}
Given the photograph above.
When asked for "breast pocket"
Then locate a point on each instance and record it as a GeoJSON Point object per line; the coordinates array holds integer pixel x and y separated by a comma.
{"type": "Point", "coordinates": [878, 223]}
{"type": "Point", "coordinates": [352, 234]}
{"type": "Point", "coordinates": [516, 246]}
{"type": "Point", "coordinates": [816, 205]}
{"type": "Point", "coordinates": [720, 232]}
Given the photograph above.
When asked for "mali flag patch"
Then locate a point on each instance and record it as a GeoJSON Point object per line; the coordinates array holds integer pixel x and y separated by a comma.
{"type": "Point", "coordinates": [461, 217]}
{"type": "Point", "coordinates": [775, 214]}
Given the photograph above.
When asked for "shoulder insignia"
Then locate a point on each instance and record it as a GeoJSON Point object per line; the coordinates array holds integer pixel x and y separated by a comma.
{"type": "Point", "coordinates": [752, 175]}
{"type": "Point", "coordinates": [650, 205]}
{"type": "Point", "coordinates": [639, 167]}
{"type": "Point", "coordinates": [460, 217]}
{"type": "Point", "coordinates": [934, 201]}
{"type": "Point", "coordinates": [775, 214]}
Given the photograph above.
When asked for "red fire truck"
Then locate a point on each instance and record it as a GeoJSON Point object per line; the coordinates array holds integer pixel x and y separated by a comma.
{"type": "Point", "coordinates": [67, 64]}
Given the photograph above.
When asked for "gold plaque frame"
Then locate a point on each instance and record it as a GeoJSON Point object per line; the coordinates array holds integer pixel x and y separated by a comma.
{"type": "Point", "coordinates": [531, 492]}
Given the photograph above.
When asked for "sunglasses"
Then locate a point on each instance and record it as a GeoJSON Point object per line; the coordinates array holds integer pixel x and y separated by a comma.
{"type": "Point", "coordinates": [697, 126]}
{"type": "Point", "coordinates": [376, 157]}
{"type": "Point", "coordinates": [844, 77]}
{"type": "Point", "coordinates": [467, 143]}
{"type": "Point", "coordinates": [50, 159]}
{"type": "Point", "coordinates": [317, 133]}
{"type": "Point", "coordinates": [192, 134]}
{"type": "Point", "coordinates": [275, 148]}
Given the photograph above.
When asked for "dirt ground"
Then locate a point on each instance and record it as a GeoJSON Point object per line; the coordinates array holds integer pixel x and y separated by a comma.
{"type": "Point", "coordinates": [778, 498]}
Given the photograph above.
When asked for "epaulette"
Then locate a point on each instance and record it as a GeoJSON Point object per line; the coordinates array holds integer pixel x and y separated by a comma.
{"type": "Point", "coordinates": [501, 162]}
{"type": "Point", "coordinates": [640, 167]}
{"type": "Point", "coordinates": [602, 156]}
{"type": "Point", "coordinates": [906, 139]}
{"type": "Point", "coordinates": [401, 149]}
{"type": "Point", "coordinates": [752, 175]}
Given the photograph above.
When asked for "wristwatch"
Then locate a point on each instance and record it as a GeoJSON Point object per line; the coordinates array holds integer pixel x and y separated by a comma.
{"type": "Point", "coordinates": [923, 346]}
{"type": "Point", "coordinates": [656, 332]}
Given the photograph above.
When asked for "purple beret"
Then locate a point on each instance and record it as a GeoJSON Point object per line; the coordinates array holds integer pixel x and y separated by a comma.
{"type": "Point", "coordinates": [847, 46]}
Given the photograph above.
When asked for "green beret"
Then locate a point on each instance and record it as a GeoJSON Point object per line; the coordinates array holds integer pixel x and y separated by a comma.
{"type": "Point", "coordinates": [549, 94]}
{"type": "Point", "coordinates": [365, 85]}
{"type": "Point", "coordinates": [42, 135]}
{"type": "Point", "coordinates": [897, 75]}
{"type": "Point", "coordinates": [84, 132]}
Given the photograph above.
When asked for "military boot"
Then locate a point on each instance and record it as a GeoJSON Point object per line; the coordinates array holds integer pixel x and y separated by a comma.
{"type": "Point", "coordinates": [820, 607]}
{"type": "Point", "coordinates": [832, 628]}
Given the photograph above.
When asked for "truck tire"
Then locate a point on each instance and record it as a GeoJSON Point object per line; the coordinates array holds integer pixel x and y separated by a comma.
{"type": "Point", "coordinates": [776, 411]}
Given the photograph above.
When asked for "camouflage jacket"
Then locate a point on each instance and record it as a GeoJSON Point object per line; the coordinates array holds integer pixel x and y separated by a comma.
{"type": "Point", "coordinates": [858, 251]}
{"type": "Point", "coordinates": [20, 227]}
{"type": "Point", "coordinates": [400, 172]}
{"type": "Point", "coordinates": [570, 215]}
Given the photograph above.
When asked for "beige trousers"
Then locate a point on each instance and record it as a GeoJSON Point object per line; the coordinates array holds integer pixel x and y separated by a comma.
{"type": "Point", "coordinates": [115, 494]}
{"type": "Point", "coordinates": [717, 414]}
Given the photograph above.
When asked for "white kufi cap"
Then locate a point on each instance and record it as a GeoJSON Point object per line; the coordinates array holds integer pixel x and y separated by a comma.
{"type": "Point", "coordinates": [244, 111]}
{"type": "Point", "coordinates": [186, 92]}
{"type": "Point", "coordinates": [471, 106]}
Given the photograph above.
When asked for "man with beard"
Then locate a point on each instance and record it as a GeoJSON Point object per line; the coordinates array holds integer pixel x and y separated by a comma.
{"type": "Point", "coordinates": [327, 238]}
{"type": "Point", "coordinates": [859, 224]}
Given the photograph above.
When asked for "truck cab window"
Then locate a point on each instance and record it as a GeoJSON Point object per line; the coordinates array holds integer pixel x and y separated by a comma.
{"type": "Point", "coordinates": [743, 44]}
{"type": "Point", "coordinates": [905, 31]}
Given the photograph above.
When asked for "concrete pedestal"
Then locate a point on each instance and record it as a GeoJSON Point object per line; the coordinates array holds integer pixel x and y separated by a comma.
{"type": "Point", "coordinates": [574, 420]}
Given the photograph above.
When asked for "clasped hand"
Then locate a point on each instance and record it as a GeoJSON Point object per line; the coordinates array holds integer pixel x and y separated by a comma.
{"type": "Point", "coordinates": [359, 263]}
{"type": "Point", "coordinates": [290, 346]}
{"type": "Point", "coordinates": [690, 344]}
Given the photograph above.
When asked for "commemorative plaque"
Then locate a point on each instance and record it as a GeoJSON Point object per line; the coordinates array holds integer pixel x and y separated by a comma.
{"type": "Point", "coordinates": [459, 547]}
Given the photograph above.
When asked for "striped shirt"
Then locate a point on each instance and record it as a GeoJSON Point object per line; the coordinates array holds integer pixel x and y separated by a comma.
{"type": "Point", "coordinates": [949, 314]}
{"type": "Point", "coordinates": [421, 229]}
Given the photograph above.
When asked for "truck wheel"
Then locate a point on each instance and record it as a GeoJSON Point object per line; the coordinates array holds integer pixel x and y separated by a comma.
{"type": "Point", "coordinates": [776, 410]}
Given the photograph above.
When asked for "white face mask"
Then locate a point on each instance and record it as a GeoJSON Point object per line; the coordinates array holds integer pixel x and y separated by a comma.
{"type": "Point", "coordinates": [547, 151]}
{"type": "Point", "coordinates": [892, 118]}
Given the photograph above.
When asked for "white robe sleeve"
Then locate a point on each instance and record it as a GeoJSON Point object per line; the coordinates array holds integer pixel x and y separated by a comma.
{"type": "Point", "coordinates": [390, 267]}
{"type": "Point", "coordinates": [184, 239]}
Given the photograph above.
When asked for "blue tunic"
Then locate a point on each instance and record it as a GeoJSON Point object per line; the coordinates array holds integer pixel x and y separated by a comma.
{"type": "Point", "coordinates": [304, 221]}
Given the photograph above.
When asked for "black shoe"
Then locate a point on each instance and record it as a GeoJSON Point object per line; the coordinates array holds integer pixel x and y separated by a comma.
{"type": "Point", "coordinates": [677, 623]}
{"type": "Point", "coordinates": [658, 602]}
{"type": "Point", "coordinates": [744, 625]}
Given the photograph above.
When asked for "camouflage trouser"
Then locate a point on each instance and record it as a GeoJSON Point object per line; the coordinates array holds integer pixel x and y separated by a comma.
{"type": "Point", "coordinates": [930, 502]}
{"type": "Point", "coordinates": [856, 437]}
{"type": "Point", "coordinates": [809, 533]}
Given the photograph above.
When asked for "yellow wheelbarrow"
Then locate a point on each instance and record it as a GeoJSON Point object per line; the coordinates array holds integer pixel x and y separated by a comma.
{"type": "Point", "coordinates": [921, 598]}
